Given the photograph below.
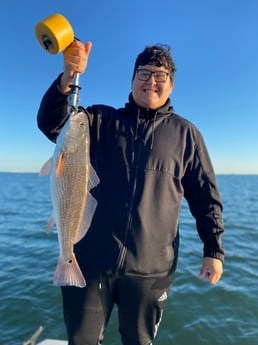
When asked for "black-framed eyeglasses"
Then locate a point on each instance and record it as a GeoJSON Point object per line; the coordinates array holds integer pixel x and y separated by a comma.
{"type": "Point", "coordinates": [145, 75]}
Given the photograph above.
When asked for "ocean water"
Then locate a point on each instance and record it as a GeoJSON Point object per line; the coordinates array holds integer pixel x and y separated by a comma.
{"type": "Point", "coordinates": [196, 312]}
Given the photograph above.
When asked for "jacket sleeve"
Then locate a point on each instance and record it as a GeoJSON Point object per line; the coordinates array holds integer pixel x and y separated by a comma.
{"type": "Point", "coordinates": [52, 112]}
{"type": "Point", "coordinates": [202, 194]}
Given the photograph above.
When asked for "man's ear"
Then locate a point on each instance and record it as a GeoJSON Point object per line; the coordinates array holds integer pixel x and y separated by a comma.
{"type": "Point", "coordinates": [172, 86]}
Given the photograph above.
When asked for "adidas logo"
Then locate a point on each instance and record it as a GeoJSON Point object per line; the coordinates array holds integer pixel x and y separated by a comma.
{"type": "Point", "coordinates": [163, 297]}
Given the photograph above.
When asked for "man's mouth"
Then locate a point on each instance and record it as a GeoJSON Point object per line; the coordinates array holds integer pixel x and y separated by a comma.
{"type": "Point", "coordinates": [150, 90]}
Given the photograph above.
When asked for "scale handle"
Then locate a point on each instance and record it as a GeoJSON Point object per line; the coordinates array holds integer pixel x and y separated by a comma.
{"type": "Point", "coordinates": [73, 97]}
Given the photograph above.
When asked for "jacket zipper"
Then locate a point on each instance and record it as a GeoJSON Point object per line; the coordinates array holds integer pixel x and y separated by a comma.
{"type": "Point", "coordinates": [123, 250]}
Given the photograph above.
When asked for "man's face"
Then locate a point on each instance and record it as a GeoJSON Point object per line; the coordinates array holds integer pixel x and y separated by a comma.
{"type": "Point", "coordinates": [151, 93]}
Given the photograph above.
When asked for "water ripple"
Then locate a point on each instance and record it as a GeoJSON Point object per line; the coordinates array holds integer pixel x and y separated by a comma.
{"type": "Point", "coordinates": [196, 313]}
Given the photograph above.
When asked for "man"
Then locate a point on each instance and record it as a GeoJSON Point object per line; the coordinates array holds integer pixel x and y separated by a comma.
{"type": "Point", "coordinates": [148, 159]}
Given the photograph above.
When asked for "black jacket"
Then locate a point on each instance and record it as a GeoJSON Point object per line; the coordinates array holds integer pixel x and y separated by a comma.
{"type": "Point", "coordinates": [147, 161]}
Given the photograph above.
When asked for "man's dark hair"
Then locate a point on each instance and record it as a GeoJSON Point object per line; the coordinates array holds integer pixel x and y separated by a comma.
{"type": "Point", "coordinates": [158, 55]}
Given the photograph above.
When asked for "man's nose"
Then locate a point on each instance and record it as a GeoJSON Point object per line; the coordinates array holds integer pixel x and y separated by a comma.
{"type": "Point", "coordinates": [152, 79]}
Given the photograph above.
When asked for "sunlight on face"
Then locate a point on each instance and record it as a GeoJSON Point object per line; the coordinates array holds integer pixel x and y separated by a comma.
{"type": "Point", "coordinates": [151, 94]}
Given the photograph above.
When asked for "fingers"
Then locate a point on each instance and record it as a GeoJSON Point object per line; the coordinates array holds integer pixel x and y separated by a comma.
{"type": "Point", "coordinates": [211, 270]}
{"type": "Point", "coordinates": [75, 61]}
{"type": "Point", "coordinates": [76, 57]}
{"type": "Point", "coordinates": [212, 278]}
{"type": "Point", "coordinates": [87, 47]}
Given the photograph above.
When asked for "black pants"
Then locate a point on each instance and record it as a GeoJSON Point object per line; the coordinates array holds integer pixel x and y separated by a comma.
{"type": "Point", "coordinates": [140, 303]}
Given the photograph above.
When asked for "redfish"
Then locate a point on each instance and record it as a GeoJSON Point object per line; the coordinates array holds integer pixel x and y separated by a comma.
{"type": "Point", "coordinates": [71, 179]}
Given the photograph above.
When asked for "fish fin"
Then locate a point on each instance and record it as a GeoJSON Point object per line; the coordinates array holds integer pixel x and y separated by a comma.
{"type": "Point", "coordinates": [46, 168]}
{"type": "Point", "coordinates": [69, 274]}
{"type": "Point", "coordinates": [93, 178]}
{"type": "Point", "coordinates": [50, 224]}
{"type": "Point", "coordinates": [60, 165]}
{"type": "Point", "coordinates": [89, 211]}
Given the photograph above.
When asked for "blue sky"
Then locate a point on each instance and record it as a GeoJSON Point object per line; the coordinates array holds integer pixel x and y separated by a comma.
{"type": "Point", "coordinates": [214, 44]}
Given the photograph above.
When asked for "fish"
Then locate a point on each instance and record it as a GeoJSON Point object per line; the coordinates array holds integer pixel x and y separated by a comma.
{"type": "Point", "coordinates": [71, 179]}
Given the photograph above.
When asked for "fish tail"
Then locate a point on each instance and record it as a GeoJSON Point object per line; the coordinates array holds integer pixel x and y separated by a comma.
{"type": "Point", "coordinates": [69, 274]}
